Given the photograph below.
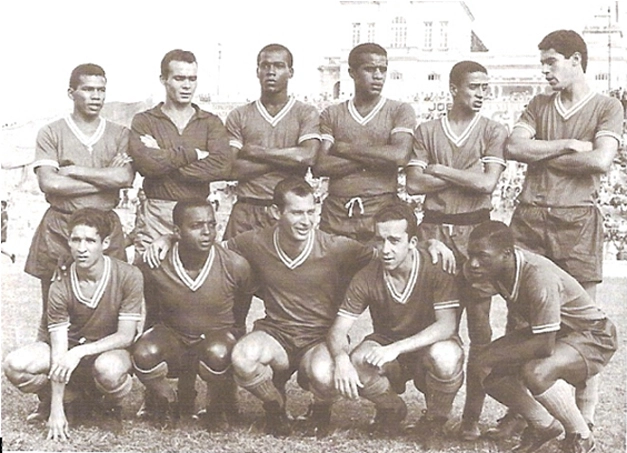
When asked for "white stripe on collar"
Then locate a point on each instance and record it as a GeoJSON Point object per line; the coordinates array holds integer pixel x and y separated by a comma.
{"type": "Point", "coordinates": [300, 259]}
{"type": "Point", "coordinates": [364, 120]}
{"type": "Point", "coordinates": [403, 297]}
{"type": "Point", "coordinates": [518, 260]}
{"type": "Point", "coordinates": [100, 287]}
{"type": "Point", "coordinates": [191, 283]}
{"type": "Point", "coordinates": [274, 120]}
{"type": "Point", "coordinates": [89, 142]}
{"type": "Point", "coordinates": [459, 140]}
{"type": "Point", "coordinates": [567, 114]}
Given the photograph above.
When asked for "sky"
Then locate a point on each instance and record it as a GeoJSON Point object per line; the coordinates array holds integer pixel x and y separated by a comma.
{"type": "Point", "coordinates": [42, 41]}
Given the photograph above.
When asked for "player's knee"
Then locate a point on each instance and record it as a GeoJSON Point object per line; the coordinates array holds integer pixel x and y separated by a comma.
{"type": "Point", "coordinates": [244, 356]}
{"type": "Point", "coordinates": [217, 355]}
{"type": "Point", "coordinates": [536, 374]}
{"type": "Point", "coordinates": [445, 358]}
{"type": "Point", "coordinates": [319, 372]}
{"type": "Point", "coordinates": [146, 354]}
{"type": "Point", "coordinates": [109, 371]}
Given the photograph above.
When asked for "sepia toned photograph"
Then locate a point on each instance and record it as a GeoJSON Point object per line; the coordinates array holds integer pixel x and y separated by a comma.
{"type": "Point", "coordinates": [314, 226]}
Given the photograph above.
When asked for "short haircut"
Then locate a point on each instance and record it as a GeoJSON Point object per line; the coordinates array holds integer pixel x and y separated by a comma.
{"type": "Point", "coordinates": [175, 55]}
{"type": "Point", "coordinates": [354, 57]}
{"type": "Point", "coordinates": [277, 48]}
{"type": "Point", "coordinates": [297, 186]}
{"type": "Point", "coordinates": [399, 211]}
{"type": "Point", "coordinates": [497, 233]}
{"type": "Point", "coordinates": [92, 217]}
{"type": "Point", "coordinates": [87, 69]}
{"type": "Point", "coordinates": [460, 70]}
{"type": "Point", "coordinates": [566, 42]}
{"type": "Point", "coordinates": [181, 207]}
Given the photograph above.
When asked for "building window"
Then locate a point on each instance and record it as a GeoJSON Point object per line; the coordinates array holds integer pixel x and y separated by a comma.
{"type": "Point", "coordinates": [395, 75]}
{"type": "Point", "coordinates": [371, 36]}
{"type": "Point", "coordinates": [399, 32]}
{"type": "Point", "coordinates": [444, 35]}
{"type": "Point", "coordinates": [601, 76]}
{"type": "Point", "coordinates": [356, 30]}
{"type": "Point", "coordinates": [428, 44]}
{"type": "Point", "coordinates": [433, 76]}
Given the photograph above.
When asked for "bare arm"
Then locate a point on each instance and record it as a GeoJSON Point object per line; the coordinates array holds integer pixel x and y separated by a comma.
{"type": "Point", "coordinates": [598, 160]}
{"type": "Point", "coordinates": [58, 428]}
{"type": "Point", "coordinates": [301, 156]}
{"type": "Point", "coordinates": [484, 182]}
{"type": "Point", "coordinates": [117, 175]}
{"type": "Point", "coordinates": [333, 166]}
{"type": "Point", "coordinates": [419, 183]}
{"type": "Point", "coordinates": [396, 153]}
{"type": "Point", "coordinates": [521, 146]}
{"type": "Point", "coordinates": [345, 375]}
{"type": "Point", "coordinates": [53, 183]}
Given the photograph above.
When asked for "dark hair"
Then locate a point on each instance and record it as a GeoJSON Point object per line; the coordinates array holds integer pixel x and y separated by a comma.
{"type": "Point", "coordinates": [87, 69]}
{"type": "Point", "coordinates": [92, 217]}
{"type": "Point", "coordinates": [175, 55]}
{"type": "Point", "coordinates": [354, 57]}
{"type": "Point", "coordinates": [398, 211]}
{"type": "Point", "coordinates": [297, 186]}
{"type": "Point", "coordinates": [496, 232]}
{"type": "Point", "coordinates": [277, 48]}
{"type": "Point", "coordinates": [181, 207]}
{"type": "Point", "coordinates": [566, 42]}
{"type": "Point", "coordinates": [460, 70]}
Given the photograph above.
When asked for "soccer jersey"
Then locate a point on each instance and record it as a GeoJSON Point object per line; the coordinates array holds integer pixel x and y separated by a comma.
{"type": "Point", "coordinates": [546, 118]}
{"type": "Point", "coordinates": [251, 124]}
{"type": "Point", "coordinates": [401, 314]}
{"type": "Point", "coordinates": [481, 143]}
{"type": "Point", "coordinates": [62, 143]}
{"type": "Point", "coordinates": [546, 296]}
{"type": "Point", "coordinates": [301, 294]}
{"type": "Point", "coordinates": [173, 171]}
{"type": "Point", "coordinates": [118, 296]}
{"type": "Point", "coordinates": [194, 306]}
{"type": "Point", "coordinates": [343, 123]}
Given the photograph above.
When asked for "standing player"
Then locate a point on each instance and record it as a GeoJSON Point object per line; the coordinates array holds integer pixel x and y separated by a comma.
{"type": "Point", "coordinates": [93, 315]}
{"type": "Point", "coordinates": [193, 292]}
{"type": "Point", "coordinates": [272, 138]}
{"type": "Point", "coordinates": [568, 139]}
{"type": "Point", "coordinates": [177, 147]}
{"type": "Point", "coordinates": [364, 142]}
{"type": "Point", "coordinates": [457, 162]}
{"type": "Point", "coordinates": [80, 162]}
{"type": "Point", "coordinates": [414, 307]}
{"type": "Point", "coordinates": [568, 339]}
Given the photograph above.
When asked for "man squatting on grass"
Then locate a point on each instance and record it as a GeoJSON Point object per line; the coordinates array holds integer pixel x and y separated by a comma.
{"type": "Point", "coordinates": [94, 313]}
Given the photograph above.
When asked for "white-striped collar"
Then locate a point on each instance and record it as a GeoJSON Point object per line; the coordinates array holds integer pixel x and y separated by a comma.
{"type": "Point", "coordinates": [274, 120]}
{"type": "Point", "coordinates": [403, 297]}
{"type": "Point", "coordinates": [567, 114]}
{"type": "Point", "coordinates": [518, 261]}
{"type": "Point", "coordinates": [191, 283]}
{"type": "Point", "coordinates": [300, 259]}
{"type": "Point", "coordinates": [459, 140]}
{"type": "Point", "coordinates": [100, 287]}
{"type": "Point", "coordinates": [89, 142]}
{"type": "Point", "coordinates": [365, 119]}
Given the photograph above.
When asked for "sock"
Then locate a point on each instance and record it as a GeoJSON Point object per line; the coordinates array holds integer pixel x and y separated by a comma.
{"type": "Point", "coordinates": [118, 393]}
{"type": "Point", "coordinates": [34, 383]}
{"type": "Point", "coordinates": [381, 394]}
{"type": "Point", "coordinates": [559, 401]}
{"type": "Point", "coordinates": [511, 392]}
{"type": "Point", "coordinates": [261, 386]}
{"type": "Point", "coordinates": [587, 398]}
{"type": "Point", "coordinates": [441, 394]}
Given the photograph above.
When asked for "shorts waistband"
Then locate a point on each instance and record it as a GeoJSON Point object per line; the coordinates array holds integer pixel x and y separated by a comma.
{"type": "Point", "coordinates": [255, 201]}
{"type": "Point", "coordinates": [465, 218]}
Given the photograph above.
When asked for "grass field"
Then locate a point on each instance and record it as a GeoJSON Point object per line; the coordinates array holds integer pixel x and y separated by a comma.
{"type": "Point", "coordinates": [20, 313]}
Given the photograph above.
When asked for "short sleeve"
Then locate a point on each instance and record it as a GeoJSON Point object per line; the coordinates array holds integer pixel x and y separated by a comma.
{"type": "Point", "coordinates": [357, 297]}
{"type": "Point", "coordinates": [528, 117]}
{"type": "Point", "coordinates": [58, 297]}
{"type": "Point", "coordinates": [542, 295]}
{"type": "Point", "coordinates": [46, 149]}
{"type": "Point", "coordinates": [234, 129]}
{"type": "Point", "coordinates": [420, 154]}
{"type": "Point", "coordinates": [445, 287]}
{"type": "Point", "coordinates": [495, 144]}
{"type": "Point", "coordinates": [611, 120]}
{"type": "Point", "coordinates": [404, 120]}
{"type": "Point", "coordinates": [132, 296]}
{"type": "Point", "coordinates": [326, 126]}
{"type": "Point", "coordinates": [241, 244]}
{"type": "Point", "coordinates": [309, 124]}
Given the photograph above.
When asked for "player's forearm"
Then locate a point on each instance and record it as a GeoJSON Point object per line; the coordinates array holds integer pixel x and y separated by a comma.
{"type": "Point", "coordinates": [395, 154]}
{"type": "Point", "coordinates": [476, 182]}
{"type": "Point", "coordinates": [420, 184]}
{"type": "Point", "coordinates": [105, 178]}
{"type": "Point", "coordinates": [438, 331]}
{"type": "Point", "coordinates": [212, 168]}
{"type": "Point", "coordinates": [528, 150]}
{"type": "Point", "coordinates": [56, 184]}
{"type": "Point", "coordinates": [153, 162]}
{"type": "Point", "coordinates": [118, 340]}
{"type": "Point", "coordinates": [56, 402]}
{"type": "Point", "coordinates": [591, 162]}
{"type": "Point", "coordinates": [291, 157]}
{"type": "Point", "coordinates": [333, 166]}
{"type": "Point", "coordinates": [337, 342]}
{"type": "Point", "coordinates": [244, 169]}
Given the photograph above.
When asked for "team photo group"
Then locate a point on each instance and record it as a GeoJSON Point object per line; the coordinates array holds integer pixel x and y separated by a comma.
{"type": "Point", "coordinates": [174, 313]}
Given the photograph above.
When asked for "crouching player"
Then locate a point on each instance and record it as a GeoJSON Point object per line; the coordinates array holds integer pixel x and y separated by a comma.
{"type": "Point", "coordinates": [567, 341]}
{"type": "Point", "coordinates": [193, 294]}
{"type": "Point", "coordinates": [93, 315]}
{"type": "Point", "coordinates": [414, 306]}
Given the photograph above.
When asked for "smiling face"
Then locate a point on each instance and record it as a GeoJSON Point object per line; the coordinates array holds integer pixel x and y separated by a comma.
{"type": "Point", "coordinates": [560, 72]}
{"type": "Point", "coordinates": [181, 82]}
{"type": "Point", "coordinates": [89, 95]}
{"type": "Point", "coordinates": [394, 244]}
{"type": "Point", "coordinates": [86, 246]}
{"type": "Point", "coordinates": [297, 219]}
{"type": "Point", "coordinates": [273, 71]}
{"type": "Point", "coordinates": [369, 76]}
{"type": "Point", "coordinates": [469, 94]}
{"type": "Point", "coordinates": [198, 229]}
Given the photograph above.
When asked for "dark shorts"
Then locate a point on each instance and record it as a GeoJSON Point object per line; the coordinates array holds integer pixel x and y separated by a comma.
{"type": "Point", "coordinates": [295, 347]}
{"type": "Point", "coordinates": [50, 244]}
{"type": "Point", "coordinates": [345, 218]}
{"type": "Point", "coordinates": [247, 216]}
{"type": "Point", "coordinates": [570, 237]}
{"type": "Point", "coordinates": [596, 346]}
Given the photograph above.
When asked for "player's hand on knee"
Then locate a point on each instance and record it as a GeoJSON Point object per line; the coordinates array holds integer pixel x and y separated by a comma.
{"type": "Point", "coordinates": [380, 355]}
{"type": "Point", "coordinates": [62, 369]}
{"type": "Point", "coordinates": [58, 427]}
{"type": "Point", "coordinates": [441, 253]}
{"type": "Point", "coordinates": [156, 252]}
{"type": "Point", "coordinates": [346, 380]}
